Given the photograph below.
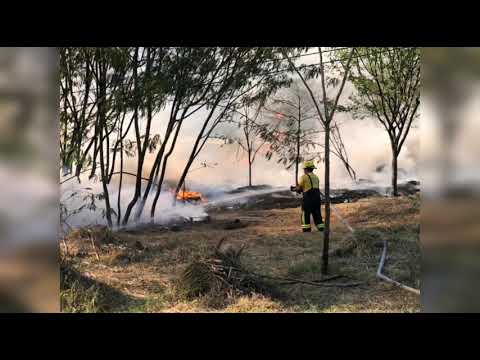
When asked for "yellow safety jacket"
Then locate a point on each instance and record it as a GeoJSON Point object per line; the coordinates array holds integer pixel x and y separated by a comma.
{"type": "Point", "coordinates": [309, 183]}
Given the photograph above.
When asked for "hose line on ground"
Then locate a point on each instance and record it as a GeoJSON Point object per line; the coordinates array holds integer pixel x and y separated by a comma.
{"type": "Point", "coordinates": [386, 278]}
{"type": "Point", "coordinates": [380, 275]}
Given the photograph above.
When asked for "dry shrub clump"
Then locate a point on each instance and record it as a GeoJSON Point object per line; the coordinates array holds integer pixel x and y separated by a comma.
{"type": "Point", "coordinates": [221, 275]}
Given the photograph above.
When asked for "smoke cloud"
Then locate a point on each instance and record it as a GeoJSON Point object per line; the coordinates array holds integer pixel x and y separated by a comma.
{"type": "Point", "coordinates": [366, 142]}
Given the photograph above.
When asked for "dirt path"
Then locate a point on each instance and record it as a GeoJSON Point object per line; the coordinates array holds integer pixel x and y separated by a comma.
{"type": "Point", "coordinates": [143, 265]}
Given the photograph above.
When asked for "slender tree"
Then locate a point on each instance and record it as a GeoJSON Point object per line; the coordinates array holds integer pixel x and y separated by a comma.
{"type": "Point", "coordinates": [249, 140]}
{"type": "Point", "coordinates": [291, 131]}
{"type": "Point", "coordinates": [387, 84]}
{"type": "Point", "coordinates": [101, 73]}
{"type": "Point", "coordinates": [326, 115]}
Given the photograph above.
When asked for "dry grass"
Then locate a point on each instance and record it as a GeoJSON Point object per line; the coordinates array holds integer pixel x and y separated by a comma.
{"type": "Point", "coordinates": [276, 246]}
{"type": "Point", "coordinates": [254, 304]}
{"type": "Point", "coordinates": [82, 294]}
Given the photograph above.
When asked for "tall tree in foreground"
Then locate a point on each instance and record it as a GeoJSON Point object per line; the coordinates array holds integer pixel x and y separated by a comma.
{"type": "Point", "coordinates": [326, 115]}
{"type": "Point", "coordinates": [387, 83]}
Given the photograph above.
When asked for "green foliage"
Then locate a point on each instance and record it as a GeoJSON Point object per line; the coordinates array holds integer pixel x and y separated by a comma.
{"type": "Point", "coordinates": [293, 128]}
{"type": "Point", "coordinates": [192, 78]}
{"type": "Point", "coordinates": [387, 84]}
{"type": "Point", "coordinates": [104, 90]}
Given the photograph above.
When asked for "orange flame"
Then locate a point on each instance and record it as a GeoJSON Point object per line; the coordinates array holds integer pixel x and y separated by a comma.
{"type": "Point", "coordinates": [190, 196]}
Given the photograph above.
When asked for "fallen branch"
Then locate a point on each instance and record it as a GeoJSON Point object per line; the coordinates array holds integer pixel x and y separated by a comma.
{"type": "Point", "coordinates": [331, 278]}
{"type": "Point", "coordinates": [300, 281]}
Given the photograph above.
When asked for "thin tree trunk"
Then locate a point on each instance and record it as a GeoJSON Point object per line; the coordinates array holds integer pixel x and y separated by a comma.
{"type": "Point", "coordinates": [326, 233]}
{"type": "Point", "coordinates": [157, 171]}
{"type": "Point", "coordinates": [102, 120]}
{"type": "Point", "coordinates": [153, 177]}
{"type": "Point", "coordinates": [119, 204]}
{"type": "Point", "coordinates": [107, 160]}
{"type": "Point", "coordinates": [196, 147]}
{"type": "Point", "coordinates": [94, 163]}
{"type": "Point", "coordinates": [112, 168]}
{"type": "Point", "coordinates": [105, 189]}
{"type": "Point", "coordinates": [138, 183]}
{"type": "Point", "coordinates": [395, 173]}
{"type": "Point", "coordinates": [154, 172]}
{"type": "Point", "coordinates": [78, 170]}
{"type": "Point", "coordinates": [162, 175]}
{"type": "Point", "coordinates": [88, 83]}
{"type": "Point", "coordinates": [296, 171]}
{"type": "Point", "coordinates": [181, 182]}
{"type": "Point", "coordinates": [114, 151]}
{"type": "Point", "coordinates": [250, 174]}
{"type": "Point", "coordinates": [297, 160]}
{"type": "Point", "coordinates": [249, 168]}
{"type": "Point", "coordinates": [65, 132]}
{"type": "Point", "coordinates": [156, 166]}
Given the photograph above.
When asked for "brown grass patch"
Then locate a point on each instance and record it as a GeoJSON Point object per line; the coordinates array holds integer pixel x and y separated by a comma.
{"type": "Point", "coordinates": [275, 246]}
{"type": "Point", "coordinates": [254, 304]}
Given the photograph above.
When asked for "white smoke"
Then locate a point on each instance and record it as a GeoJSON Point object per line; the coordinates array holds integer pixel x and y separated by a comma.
{"type": "Point", "coordinates": [75, 195]}
{"type": "Point", "coordinates": [366, 142]}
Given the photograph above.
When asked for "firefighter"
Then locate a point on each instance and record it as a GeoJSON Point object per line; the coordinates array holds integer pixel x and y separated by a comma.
{"type": "Point", "coordinates": [309, 186]}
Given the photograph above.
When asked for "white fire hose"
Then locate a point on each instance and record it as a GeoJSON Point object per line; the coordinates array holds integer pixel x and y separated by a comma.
{"type": "Point", "coordinates": [382, 259]}
{"type": "Point", "coordinates": [386, 278]}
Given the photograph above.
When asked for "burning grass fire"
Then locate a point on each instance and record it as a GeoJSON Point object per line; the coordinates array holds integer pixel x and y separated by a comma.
{"type": "Point", "coordinates": [191, 196]}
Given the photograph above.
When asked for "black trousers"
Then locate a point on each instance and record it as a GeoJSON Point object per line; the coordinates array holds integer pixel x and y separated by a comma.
{"type": "Point", "coordinates": [311, 207]}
